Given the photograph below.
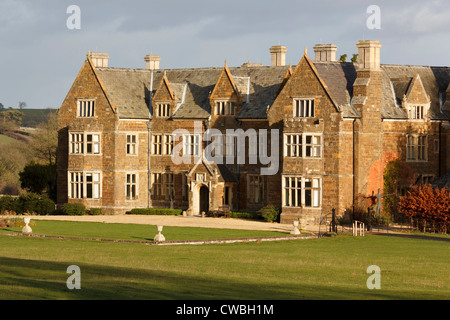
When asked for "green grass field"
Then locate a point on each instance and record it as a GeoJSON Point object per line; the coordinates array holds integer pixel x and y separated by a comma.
{"type": "Point", "coordinates": [325, 268]}
{"type": "Point", "coordinates": [5, 139]}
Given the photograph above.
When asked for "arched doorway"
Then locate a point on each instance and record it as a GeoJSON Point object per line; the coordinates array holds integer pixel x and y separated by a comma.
{"type": "Point", "coordinates": [204, 199]}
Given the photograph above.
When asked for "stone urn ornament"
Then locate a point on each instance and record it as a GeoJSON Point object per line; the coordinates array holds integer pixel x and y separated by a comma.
{"type": "Point", "coordinates": [27, 228]}
{"type": "Point", "coordinates": [159, 237]}
{"type": "Point", "coordinates": [295, 230]}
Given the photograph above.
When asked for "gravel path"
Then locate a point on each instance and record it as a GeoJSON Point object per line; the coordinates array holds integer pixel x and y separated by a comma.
{"type": "Point", "coordinates": [189, 221]}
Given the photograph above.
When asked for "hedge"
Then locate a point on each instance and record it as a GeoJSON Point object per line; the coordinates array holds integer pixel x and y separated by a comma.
{"type": "Point", "coordinates": [245, 215]}
{"type": "Point", "coordinates": [156, 211]}
{"type": "Point", "coordinates": [74, 209]}
{"type": "Point", "coordinates": [29, 203]}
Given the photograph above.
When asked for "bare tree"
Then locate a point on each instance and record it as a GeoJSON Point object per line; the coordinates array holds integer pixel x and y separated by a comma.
{"type": "Point", "coordinates": [22, 105]}
{"type": "Point", "coordinates": [45, 141]}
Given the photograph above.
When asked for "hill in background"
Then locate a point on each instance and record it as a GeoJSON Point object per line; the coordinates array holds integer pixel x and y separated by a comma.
{"type": "Point", "coordinates": [32, 117]}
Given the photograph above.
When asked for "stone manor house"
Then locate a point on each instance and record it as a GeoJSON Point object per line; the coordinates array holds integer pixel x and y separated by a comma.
{"type": "Point", "coordinates": [338, 125]}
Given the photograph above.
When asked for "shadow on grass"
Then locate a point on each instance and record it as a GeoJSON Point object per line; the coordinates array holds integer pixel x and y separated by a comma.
{"type": "Point", "coordinates": [36, 279]}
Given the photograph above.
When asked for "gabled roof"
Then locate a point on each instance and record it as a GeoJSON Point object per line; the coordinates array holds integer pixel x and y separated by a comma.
{"type": "Point", "coordinates": [130, 90]}
{"type": "Point", "coordinates": [396, 80]}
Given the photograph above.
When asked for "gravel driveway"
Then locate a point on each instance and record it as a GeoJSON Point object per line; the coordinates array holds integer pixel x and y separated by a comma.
{"type": "Point", "coordinates": [189, 221]}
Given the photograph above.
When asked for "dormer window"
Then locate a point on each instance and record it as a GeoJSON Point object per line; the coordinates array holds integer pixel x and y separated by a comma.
{"type": "Point", "coordinates": [163, 110]}
{"type": "Point", "coordinates": [86, 108]}
{"type": "Point", "coordinates": [417, 112]}
{"type": "Point", "coordinates": [304, 108]}
{"type": "Point", "coordinates": [224, 108]}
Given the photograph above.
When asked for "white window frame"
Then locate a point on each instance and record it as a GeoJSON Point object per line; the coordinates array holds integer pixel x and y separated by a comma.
{"type": "Point", "coordinates": [131, 144]}
{"type": "Point", "coordinates": [163, 186]}
{"type": "Point", "coordinates": [296, 146]}
{"type": "Point", "coordinates": [316, 148]}
{"type": "Point", "coordinates": [192, 145]}
{"type": "Point", "coordinates": [418, 111]}
{"type": "Point", "coordinates": [225, 108]}
{"type": "Point", "coordinates": [78, 183]}
{"type": "Point", "coordinates": [304, 108]}
{"type": "Point", "coordinates": [76, 143]}
{"type": "Point", "coordinates": [163, 110]}
{"type": "Point", "coordinates": [85, 108]}
{"type": "Point", "coordinates": [79, 144]}
{"type": "Point", "coordinates": [75, 184]}
{"type": "Point", "coordinates": [294, 192]}
{"type": "Point", "coordinates": [416, 148]}
{"type": "Point", "coordinates": [131, 186]}
{"type": "Point", "coordinates": [168, 144]}
{"type": "Point", "coordinates": [157, 144]}
{"type": "Point", "coordinates": [95, 144]}
{"type": "Point", "coordinates": [96, 184]}
{"type": "Point", "coordinates": [255, 188]}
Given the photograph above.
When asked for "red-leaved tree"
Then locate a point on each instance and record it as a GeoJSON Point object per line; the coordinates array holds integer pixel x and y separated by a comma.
{"type": "Point", "coordinates": [427, 206]}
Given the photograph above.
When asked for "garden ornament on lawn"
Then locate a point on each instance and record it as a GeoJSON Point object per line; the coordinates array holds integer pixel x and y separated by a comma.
{"type": "Point", "coordinates": [27, 228]}
{"type": "Point", "coordinates": [159, 237]}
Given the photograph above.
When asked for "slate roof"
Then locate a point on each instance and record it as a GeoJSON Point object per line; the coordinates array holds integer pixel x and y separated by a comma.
{"type": "Point", "coordinates": [396, 80]}
{"type": "Point", "coordinates": [129, 89]}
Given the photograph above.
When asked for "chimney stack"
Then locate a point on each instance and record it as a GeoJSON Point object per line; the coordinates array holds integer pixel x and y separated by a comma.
{"type": "Point", "coordinates": [278, 55]}
{"type": "Point", "coordinates": [325, 52]}
{"type": "Point", "coordinates": [100, 59]}
{"type": "Point", "coordinates": [369, 54]}
{"type": "Point", "coordinates": [152, 62]}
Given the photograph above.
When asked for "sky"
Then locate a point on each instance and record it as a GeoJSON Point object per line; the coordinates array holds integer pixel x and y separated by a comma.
{"type": "Point", "coordinates": [41, 55]}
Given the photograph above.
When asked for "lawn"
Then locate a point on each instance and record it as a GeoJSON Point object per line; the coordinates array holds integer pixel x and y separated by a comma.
{"type": "Point", "coordinates": [325, 268]}
{"type": "Point", "coordinates": [137, 232]}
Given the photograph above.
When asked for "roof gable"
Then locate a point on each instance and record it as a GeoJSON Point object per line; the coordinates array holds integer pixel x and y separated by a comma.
{"type": "Point", "coordinates": [164, 91]}
{"type": "Point", "coordinates": [224, 83]}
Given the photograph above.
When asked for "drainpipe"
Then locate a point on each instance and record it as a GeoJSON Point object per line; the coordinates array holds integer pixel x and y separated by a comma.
{"type": "Point", "coordinates": [149, 145]}
{"type": "Point", "coordinates": [353, 169]}
{"type": "Point", "coordinates": [238, 175]}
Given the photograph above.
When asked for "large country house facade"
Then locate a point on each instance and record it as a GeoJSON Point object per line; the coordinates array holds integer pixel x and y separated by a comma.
{"type": "Point", "coordinates": [331, 127]}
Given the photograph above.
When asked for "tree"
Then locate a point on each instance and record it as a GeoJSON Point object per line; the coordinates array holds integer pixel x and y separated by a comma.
{"type": "Point", "coordinates": [2, 107]}
{"type": "Point", "coordinates": [22, 105]}
{"type": "Point", "coordinates": [343, 57]}
{"type": "Point", "coordinates": [427, 206]}
{"type": "Point", "coordinates": [13, 116]}
{"type": "Point", "coordinates": [397, 174]}
{"type": "Point", "coordinates": [38, 178]}
{"type": "Point", "coordinates": [355, 58]}
{"type": "Point", "coordinates": [44, 142]}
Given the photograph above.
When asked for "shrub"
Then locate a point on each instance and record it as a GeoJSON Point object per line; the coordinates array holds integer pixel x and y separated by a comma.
{"type": "Point", "coordinates": [45, 206]}
{"type": "Point", "coordinates": [156, 211]}
{"type": "Point", "coordinates": [74, 209]}
{"type": "Point", "coordinates": [245, 215]}
{"type": "Point", "coordinates": [95, 211]}
{"type": "Point", "coordinates": [428, 206]}
{"type": "Point", "coordinates": [270, 213]}
{"type": "Point", "coordinates": [27, 203]}
{"type": "Point", "coordinates": [7, 203]}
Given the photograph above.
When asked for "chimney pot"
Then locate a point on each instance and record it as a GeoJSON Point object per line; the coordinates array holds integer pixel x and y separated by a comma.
{"type": "Point", "coordinates": [325, 52]}
{"type": "Point", "coordinates": [278, 55]}
{"type": "Point", "coordinates": [152, 62]}
{"type": "Point", "coordinates": [369, 54]}
{"type": "Point", "coordinates": [99, 59]}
